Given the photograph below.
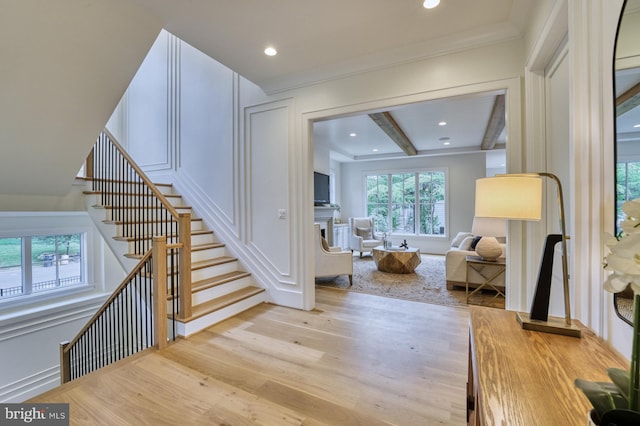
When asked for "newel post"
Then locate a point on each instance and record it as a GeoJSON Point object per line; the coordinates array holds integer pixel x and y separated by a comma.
{"type": "Point", "coordinates": [159, 274]}
{"type": "Point", "coordinates": [65, 363]}
{"type": "Point", "coordinates": [184, 264]}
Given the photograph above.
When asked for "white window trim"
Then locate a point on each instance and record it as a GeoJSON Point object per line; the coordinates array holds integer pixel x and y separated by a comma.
{"type": "Point", "coordinates": [50, 225]}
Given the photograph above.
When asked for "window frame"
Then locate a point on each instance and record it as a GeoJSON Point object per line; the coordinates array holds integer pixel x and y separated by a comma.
{"type": "Point", "coordinates": [50, 229]}
{"type": "Point", "coordinates": [416, 203]}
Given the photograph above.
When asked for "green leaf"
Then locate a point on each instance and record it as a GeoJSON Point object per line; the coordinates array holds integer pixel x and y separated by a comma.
{"type": "Point", "coordinates": [604, 396]}
{"type": "Point", "coordinates": [621, 379]}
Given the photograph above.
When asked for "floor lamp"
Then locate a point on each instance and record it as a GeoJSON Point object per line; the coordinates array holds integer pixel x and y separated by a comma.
{"type": "Point", "coordinates": [519, 197]}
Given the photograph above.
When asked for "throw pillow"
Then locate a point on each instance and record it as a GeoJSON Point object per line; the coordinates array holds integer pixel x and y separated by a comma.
{"type": "Point", "coordinates": [475, 242]}
{"type": "Point", "coordinates": [466, 244]}
{"type": "Point", "coordinates": [365, 233]}
{"type": "Point", "coordinates": [459, 238]}
{"type": "Point", "coordinates": [325, 245]}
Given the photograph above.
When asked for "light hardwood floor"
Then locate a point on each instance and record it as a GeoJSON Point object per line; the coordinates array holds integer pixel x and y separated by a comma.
{"type": "Point", "coordinates": [356, 359]}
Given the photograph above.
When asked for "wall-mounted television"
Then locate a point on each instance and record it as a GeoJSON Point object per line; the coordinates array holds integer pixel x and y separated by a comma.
{"type": "Point", "coordinates": [321, 189]}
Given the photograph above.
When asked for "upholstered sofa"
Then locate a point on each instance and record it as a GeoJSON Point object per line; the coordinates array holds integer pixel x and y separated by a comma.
{"type": "Point", "coordinates": [456, 264]}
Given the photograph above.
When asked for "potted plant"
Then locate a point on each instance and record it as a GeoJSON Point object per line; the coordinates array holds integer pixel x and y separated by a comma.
{"type": "Point", "coordinates": [618, 402]}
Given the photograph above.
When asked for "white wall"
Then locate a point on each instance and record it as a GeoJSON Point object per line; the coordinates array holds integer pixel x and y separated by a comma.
{"type": "Point", "coordinates": [242, 156]}
{"type": "Point", "coordinates": [30, 333]}
{"type": "Point", "coordinates": [277, 131]}
{"type": "Point", "coordinates": [461, 172]}
{"type": "Point", "coordinates": [65, 65]}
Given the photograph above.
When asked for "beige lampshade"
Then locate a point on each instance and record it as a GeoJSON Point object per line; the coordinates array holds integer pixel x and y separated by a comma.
{"type": "Point", "coordinates": [489, 226]}
{"type": "Point", "coordinates": [509, 197]}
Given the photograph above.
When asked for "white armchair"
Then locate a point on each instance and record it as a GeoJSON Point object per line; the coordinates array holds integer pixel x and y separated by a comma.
{"type": "Point", "coordinates": [331, 261]}
{"type": "Point", "coordinates": [362, 237]}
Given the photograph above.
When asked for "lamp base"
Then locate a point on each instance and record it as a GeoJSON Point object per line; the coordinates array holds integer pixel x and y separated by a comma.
{"type": "Point", "coordinates": [553, 325]}
{"type": "Point", "coordinates": [488, 249]}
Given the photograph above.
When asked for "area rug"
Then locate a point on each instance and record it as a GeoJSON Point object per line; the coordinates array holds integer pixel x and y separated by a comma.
{"type": "Point", "coordinates": [427, 284]}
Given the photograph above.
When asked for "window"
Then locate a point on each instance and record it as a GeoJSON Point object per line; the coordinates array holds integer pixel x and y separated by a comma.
{"type": "Point", "coordinates": [408, 203]}
{"type": "Point", "coordinates": [627, 186]}
{"type": "Point", "coordinates": [40, 263]}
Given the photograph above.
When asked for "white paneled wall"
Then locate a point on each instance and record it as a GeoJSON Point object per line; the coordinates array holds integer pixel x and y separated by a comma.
{"type": "Point", "coordinates": [30, 334]}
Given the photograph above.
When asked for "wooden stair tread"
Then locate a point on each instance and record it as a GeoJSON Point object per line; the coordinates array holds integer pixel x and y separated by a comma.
{"type": "Point", "coordinates": [93, 179]}
{"type": "Point", "coordinates": [200, 247]}
{"type": "Point", "coordinates": [197, 247]}
{"type": "Point", "coordinates": [134, 207]}
{"type": "Point", "coordinates": [218, 280]}
{"type": "Point", "coordinates": [222, 302]}
{"type": "Point", "coordinates": [148, 237]}
{"type": "Point", "coordinates": [132, 194]}
{"type": "Point", "coordinates": [212, 262]}
{"type": "Point", "coordinates": [141, 222]}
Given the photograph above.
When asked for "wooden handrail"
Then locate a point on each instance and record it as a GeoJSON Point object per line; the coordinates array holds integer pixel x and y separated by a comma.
{"type": "Point", "coordinates": [111, 325]}
{"type": "Point", "coordinates": [158, 256]}
{"type": "Point", "coordinates": [115, 294]}
{"type": "Point", "coordinates": [143, 176]}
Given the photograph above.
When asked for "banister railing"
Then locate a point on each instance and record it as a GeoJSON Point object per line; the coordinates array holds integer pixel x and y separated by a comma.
{"type": "Point", "coordinates": [141, 210]}
{"type": "Point", "coordinates": [134, 318]}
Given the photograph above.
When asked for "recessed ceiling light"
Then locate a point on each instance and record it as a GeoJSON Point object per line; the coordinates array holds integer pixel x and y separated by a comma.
{"type": "Point", "coordinates": [442, 123]}
{"type": "Point", "coordinates": [636, 126]}
{"type": "Point", "coordinates": [447, 143]}
{"type": "Point", "coordinates": [270, 51]}
{"type": "Point", "coordinates": [430, 4]}
{"type": "Point", "coordinates": [353, 134]}
{"type": "Point", "coordinates": [375, 149]}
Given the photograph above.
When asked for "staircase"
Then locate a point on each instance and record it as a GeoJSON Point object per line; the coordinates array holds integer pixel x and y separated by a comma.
{"type": "Point", "coordinates": [219, 287]}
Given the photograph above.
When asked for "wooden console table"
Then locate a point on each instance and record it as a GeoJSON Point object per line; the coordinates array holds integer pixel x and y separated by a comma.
{"type": "Point", "coordinates": [522, 377]}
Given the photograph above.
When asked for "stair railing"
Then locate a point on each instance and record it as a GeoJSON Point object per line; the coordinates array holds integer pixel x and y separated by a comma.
{"type": "Point", "coordinates": [134, 318]}
{"type": "Point", "coordinates": [142, 211]}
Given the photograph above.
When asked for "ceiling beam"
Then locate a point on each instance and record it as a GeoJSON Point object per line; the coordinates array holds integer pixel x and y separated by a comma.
{"type": "Point", "coordinates": [394, 131]}
{"type": "Point", "coordinates": [628, 100]}
{"type": "Point", "coordinates": [496, 124]}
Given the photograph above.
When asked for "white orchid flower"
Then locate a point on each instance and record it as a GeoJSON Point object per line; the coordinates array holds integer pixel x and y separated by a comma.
{"type": "Point", "coordinates": [625, 256]}
{"type": "Point", "coordinates": [616, 283]}
{"type": "Point", "coordinates": [632, 208]}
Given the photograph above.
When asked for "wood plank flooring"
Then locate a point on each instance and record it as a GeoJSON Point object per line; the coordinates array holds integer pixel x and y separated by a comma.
{"type": "Point", "coordinates": [356, 359]}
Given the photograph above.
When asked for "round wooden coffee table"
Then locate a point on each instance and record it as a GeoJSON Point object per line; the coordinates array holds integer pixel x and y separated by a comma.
{"type": "Point", "coordinates": [396, 260]}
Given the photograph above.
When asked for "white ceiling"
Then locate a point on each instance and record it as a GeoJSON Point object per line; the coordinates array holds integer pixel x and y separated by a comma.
{"type": "Point", "coordinates": [466, 117]}
{"type": "Point", "coordinates": [321, 40]}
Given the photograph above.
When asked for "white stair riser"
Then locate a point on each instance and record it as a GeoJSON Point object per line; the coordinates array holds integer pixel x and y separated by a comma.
{"type": "Point", "coordinates": [186, 329]}
{"type": "Point", "coordinates": [132, 200]}
{"type": "Point", "coordinates": [139, 215]}
{"type": "Point", "coordinates": [195, 239]}
{"type": "Point", "coordinates": [131, 187]}
{"type": "Point", "coordinates": [213, 271]}
{"type": "Point", "coordinates": [149, 228]}
{"type": "Point", "coordinates": [220, 290]}
{"type": "Point", "coordinates": [212, 253]}
{"type": "Point", "coordinates": [198, 239]}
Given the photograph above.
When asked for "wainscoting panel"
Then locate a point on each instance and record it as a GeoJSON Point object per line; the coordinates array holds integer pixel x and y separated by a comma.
{"type": "Point", "coordinates": [269, 228]}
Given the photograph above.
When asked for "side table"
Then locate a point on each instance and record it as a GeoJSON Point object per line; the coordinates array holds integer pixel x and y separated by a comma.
{"type": "Point", "coordinates": [474, 262]}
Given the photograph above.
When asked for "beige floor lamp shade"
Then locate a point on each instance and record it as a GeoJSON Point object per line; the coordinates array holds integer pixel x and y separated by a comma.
{"type": "Point", "coordinates": [509, 197]}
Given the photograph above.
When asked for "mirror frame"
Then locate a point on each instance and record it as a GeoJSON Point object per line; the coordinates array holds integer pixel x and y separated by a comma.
{"type": "Point", "coordinates": [622, 301]}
